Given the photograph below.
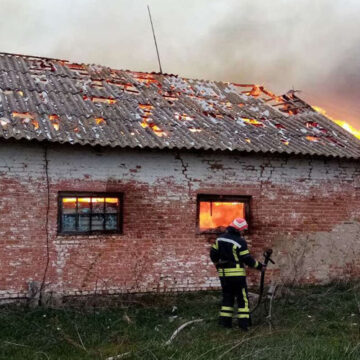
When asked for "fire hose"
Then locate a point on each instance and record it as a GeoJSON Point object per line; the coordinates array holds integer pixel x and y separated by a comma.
{"type": "Point", "coordinates": [267, 257]}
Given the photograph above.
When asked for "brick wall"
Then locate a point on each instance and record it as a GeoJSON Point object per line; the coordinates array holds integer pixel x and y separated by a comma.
{"type": "Point", "coordinates": [307, 209]}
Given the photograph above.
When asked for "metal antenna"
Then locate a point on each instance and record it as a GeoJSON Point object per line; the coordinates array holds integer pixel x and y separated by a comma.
{"type": "Point", "coordinates": [153, 31]}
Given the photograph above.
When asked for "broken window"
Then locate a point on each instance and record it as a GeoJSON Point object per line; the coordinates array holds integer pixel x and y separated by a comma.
{"type": "Point", "coordinates": [84, 213]}
{"type": "Point", "coordinates": [216, 212]}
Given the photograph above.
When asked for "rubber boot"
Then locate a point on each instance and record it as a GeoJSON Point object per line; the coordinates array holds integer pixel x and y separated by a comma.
{"type": "Point", "coordinates": [225, 321]}
{"type": "Point", "coordinates": [243, 324]}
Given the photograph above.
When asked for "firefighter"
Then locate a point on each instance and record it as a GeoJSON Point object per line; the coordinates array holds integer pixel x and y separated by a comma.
{"type": "Point", "coordinates": [229, 254]}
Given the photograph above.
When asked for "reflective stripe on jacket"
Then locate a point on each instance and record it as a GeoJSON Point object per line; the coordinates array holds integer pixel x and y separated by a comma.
{"type": "Point", "coordinates": [230, 254]}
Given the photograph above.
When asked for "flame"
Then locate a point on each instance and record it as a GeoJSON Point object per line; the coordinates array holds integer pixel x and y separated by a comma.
{"type": "Point", "coordinates": [253, 122]}
{"type": "Point", "coordinates": [127, 87]}
{"type": "Point", "coordinates": [97, 84]}
{"type": "Point", "coordinates": [26, 118]}
{"type": "Point", "coordinates": [73, 66]}
{"type": "Point", "coordinates": [194, 130]}
{"type": "Point", "coordinates": [183, 116]}
{"type": "Point", "coordinates": [72, 200]}
{"type": "Point", "coordinates": [100, 121]}
{"type": "Point", "coordinates": [147, 107]}
{"type": "Point", "coordinates": [25, 115]}
{"type": "Point", "coordinates": [341, 123]}
{"type": "Point", "coordinates": [96, 99]}
{"type": "Point", "coordinates": [255, 91]}
{"type": "Point", "coordinates": [54, 119]}
{"type": "Point", "coordinates": [157, 131]}
{"type": "Point", "coordinates": [146, 79]}
{"type": "Point", "coordinates": [215, 214]}
{"type": "Point", "coordinates": [35, 124]}
{"type": "Point", "coordinates": [312, 138]}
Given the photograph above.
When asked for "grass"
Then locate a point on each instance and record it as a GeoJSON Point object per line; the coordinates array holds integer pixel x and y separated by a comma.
{"type": "Point", "coordinates": [314, 323]}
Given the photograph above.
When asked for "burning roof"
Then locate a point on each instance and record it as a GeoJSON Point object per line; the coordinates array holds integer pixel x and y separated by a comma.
{"type": "Point", "coordinates": [58, 101]}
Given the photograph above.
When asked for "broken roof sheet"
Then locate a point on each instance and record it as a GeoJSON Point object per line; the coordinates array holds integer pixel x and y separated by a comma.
{"type": "Point", "coordinates": [58, 101]}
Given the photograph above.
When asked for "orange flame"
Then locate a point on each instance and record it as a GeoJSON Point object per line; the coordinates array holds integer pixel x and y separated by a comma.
{"type": "Point", "coordinates": [35, 124]}
{"type": "Point", "coordinates": [215, 214]}
{"type": "Point", "coordinates": [312, 138]}
{"type": "Point", "coordinates": [104, 100]}
{"type": "Point", "coordinates": [183, 116]}
{"type": "Point", "coordinates": [54, 119]}
{"type": "Point", "coordinates": [147, 107]}
{"type": "Point", "coordinates": [341, 123]}
{"type": "Point", "coordinates": [195, 130]}
{"type": "Point", "coordinates": [25, 115]}
{"type": "Point", "coordinates": [100, 121]}
{"type": "Point", "coordinates": [253, 122]}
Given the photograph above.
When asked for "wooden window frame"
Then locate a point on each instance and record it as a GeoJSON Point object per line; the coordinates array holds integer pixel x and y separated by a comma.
{"type": "Point", "coordinates": [77, 194]}
{"type": "Point", "coordinates": [221, 198]}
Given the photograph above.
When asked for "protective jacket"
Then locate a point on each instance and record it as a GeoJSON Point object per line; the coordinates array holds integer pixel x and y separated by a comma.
{"type": "Point", "coordinates": [230, 254]}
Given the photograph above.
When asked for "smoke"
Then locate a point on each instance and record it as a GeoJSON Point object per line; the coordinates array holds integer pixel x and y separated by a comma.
{"type": "Point", "coordinates": [310, 45]}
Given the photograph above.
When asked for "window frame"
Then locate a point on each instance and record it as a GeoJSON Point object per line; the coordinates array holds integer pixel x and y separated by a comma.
{"type": "Point", "coordinates": [246, 199]}
{"type": "Point", "coordinates": [78, 194]}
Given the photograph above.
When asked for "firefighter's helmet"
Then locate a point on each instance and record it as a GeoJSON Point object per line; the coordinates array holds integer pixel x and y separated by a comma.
{"type": "Point", "coordinates": [239, 224]}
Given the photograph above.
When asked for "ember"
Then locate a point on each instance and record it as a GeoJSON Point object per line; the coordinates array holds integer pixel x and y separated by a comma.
{"type": "Point", "coordinates": [183, 117]}
{"type": "Point", "coordinates": [311, 124]}
{"type": "Point", "coordinates": [127, 87]}
{"type": "Point", "coordinates": [147, 121]}
{"type": "Point", "coordinates": [25, 115]}
{"type": "Point", "coordinates": [312, 138]}
{"type": "Point", "coordinates": [96, 99]}
{"type": "Point", "coordinates": [97, 84]}
{"type": "Point", "coordinates": [217, 214]}
{"type": "Point", "coordinates": [100, 121]}
{"type": "Point", "coordinates": [73, 66]}
{"type": "Point", "coordinates": [54, 119]}
{"type": "Point", "coordinates": [147, 107]}
{"type": "Point", "coordinates": [26, 118]}
{"type": "Point", "coordinates": [253, 122]}
{"type": "Point", "coordinates": [195, 130]}
{"type": "Point", "coordinates": [169, 96]}
{"type": "Point", "coordinates": [146, 79]}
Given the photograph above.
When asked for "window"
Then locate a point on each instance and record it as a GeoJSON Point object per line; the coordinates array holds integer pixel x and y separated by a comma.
{"type": "Point", "coordinates": [87, 213]}
{"type": "Point", "coordinates": [215, 212]}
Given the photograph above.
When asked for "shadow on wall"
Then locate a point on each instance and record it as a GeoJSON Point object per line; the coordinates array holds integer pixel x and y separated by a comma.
{"type": "Point", "coordinates": [319, 257]}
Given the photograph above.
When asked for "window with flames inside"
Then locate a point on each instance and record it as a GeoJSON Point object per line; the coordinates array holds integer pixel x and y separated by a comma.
{"type": "Point", "coordinates": [216, 212]}
{"type": "Point", "coordinates": [81, 213]}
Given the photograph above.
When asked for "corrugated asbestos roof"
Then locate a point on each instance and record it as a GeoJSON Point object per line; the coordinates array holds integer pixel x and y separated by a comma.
{"type": "Point", "coordinates": [55, 100]}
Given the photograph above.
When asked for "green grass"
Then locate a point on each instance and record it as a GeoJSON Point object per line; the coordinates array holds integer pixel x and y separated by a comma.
{"type": "Point", "coordinates": [314, 323]}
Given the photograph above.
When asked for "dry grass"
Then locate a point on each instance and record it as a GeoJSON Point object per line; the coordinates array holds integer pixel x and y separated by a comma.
{"type": "Point", "coordinates": [314, 323]}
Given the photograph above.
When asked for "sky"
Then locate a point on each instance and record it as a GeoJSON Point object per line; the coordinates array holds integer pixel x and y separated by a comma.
{"type": "Point", "coordinates": [307, 45]}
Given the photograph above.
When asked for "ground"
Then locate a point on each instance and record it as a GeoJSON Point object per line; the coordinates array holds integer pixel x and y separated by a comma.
{"type": "Point", "coordinates": [309, 323]}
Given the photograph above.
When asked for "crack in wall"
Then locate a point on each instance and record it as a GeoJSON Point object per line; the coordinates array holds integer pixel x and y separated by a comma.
{"type": "Point", "coordinates": [184, 170]}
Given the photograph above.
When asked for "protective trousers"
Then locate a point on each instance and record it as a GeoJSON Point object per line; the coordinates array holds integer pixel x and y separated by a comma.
{"type": "Point", "coordinates": [234, 287]}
